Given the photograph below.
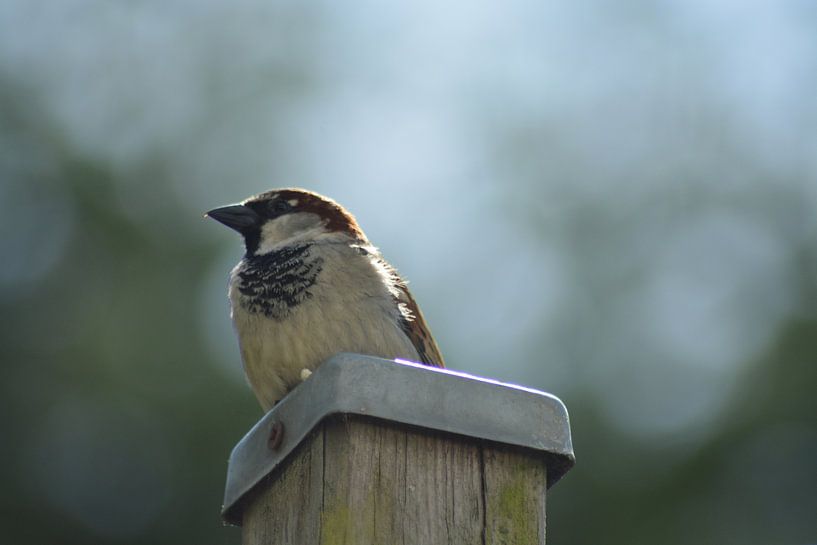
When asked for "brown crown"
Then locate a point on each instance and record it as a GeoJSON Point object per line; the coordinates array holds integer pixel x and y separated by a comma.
{"type": "Point", "coordinates": [336, 217]}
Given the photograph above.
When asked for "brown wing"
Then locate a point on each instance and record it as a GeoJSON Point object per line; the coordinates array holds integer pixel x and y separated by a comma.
{"type": "Point", "coordinates": [412, 322]}
{"type": "Point", "coordinates": [416, 328]}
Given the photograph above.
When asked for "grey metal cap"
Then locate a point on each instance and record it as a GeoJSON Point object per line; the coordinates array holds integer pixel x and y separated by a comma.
{"type": "Point", "coordinates": [408, 393]}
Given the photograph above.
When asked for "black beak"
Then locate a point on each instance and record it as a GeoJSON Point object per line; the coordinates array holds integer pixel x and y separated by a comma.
{"type": "Point", "coordinates": [236, 216]}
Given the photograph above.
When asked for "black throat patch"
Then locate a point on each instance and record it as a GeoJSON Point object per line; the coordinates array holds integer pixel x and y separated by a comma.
{"type": "Point", "coordinates": [275, 283]}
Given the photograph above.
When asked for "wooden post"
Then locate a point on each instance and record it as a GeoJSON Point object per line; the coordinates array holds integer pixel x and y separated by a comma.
{"type": "Point", "coordinates": [357, 479]}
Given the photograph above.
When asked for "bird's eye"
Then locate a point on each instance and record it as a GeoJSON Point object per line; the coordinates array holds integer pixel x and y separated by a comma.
{"type": "Point", "coordinates": [279, 207]}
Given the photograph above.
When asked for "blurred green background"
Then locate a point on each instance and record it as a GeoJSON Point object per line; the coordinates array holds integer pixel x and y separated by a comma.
{"type": "Point", "coordinates": [613, 202]}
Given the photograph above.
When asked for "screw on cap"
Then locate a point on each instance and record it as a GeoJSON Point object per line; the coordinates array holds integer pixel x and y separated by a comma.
{"type": "Point", "coordinates": [276, 435]}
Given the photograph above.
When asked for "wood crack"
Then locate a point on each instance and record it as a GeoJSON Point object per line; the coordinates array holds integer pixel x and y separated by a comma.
{"type": "Point", "coordinates": [484, 494]}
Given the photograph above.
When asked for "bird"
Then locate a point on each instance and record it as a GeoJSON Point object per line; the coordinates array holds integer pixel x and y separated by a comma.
{"type": "Point", "coordinates": [311, 285]}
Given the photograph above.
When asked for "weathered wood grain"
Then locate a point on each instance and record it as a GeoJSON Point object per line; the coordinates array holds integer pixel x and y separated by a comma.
{"type": "Point", "coordinates": [516, 483]}
{"type": "Point", "coordinates": [359, 481]}
{"type": "Point", "coordinates": [286, 507]}
{"type": "Point", "coordinates": [443, 491]}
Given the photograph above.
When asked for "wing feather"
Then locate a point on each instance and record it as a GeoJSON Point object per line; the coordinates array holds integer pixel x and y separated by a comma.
{"type": "Point", "coordinates": [412, 321]}
{"type": "Point", "coordinates": [415, 327]}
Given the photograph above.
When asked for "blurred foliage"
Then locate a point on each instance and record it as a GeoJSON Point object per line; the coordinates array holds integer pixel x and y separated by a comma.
{"type": "Point", "coordinates": [120, 430]}
{"type": "Point", "coordinates": [644, 251]}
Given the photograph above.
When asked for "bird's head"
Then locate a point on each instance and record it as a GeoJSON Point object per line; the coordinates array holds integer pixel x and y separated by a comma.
{"type": "Point", "coordinates": [283, 216]}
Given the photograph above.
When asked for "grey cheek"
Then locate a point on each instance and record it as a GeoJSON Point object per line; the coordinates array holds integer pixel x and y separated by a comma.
{"type": "Point", "coordinates": [288, 225]}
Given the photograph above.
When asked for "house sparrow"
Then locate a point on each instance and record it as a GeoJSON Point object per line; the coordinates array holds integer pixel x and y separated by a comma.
{"type": "Point", "coordinates": [311, 285]}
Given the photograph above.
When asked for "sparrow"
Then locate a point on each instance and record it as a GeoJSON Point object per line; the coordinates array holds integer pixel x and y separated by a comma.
{"type": "Point", "coordinates": [310, 285]}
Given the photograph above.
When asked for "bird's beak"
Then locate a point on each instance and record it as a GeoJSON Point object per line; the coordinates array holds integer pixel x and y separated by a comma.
{"type": "Point", "coordinates": [235, 216]}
